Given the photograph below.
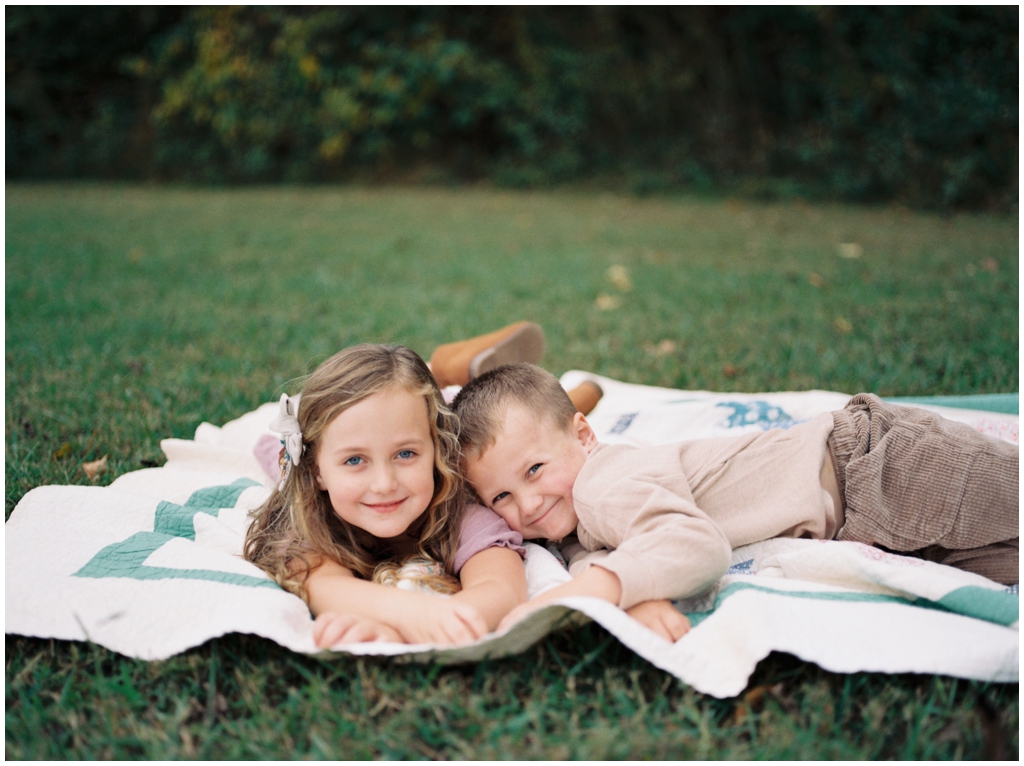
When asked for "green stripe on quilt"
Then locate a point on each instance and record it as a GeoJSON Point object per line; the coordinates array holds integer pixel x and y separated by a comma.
{"type": "Point", "coordinates": [993, 606]}
{"type": "Point", "coordinates": [176, 520]}
{"type": "Point", "coordinates": [220, 497]}
{"type": "Point", "coordinates": [127, 558]}
{"type": "Point", "coordinates": [1008, 404]}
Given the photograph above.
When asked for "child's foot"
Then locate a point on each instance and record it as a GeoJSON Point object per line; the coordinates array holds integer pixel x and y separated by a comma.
{"type": "Point", "coordinates": [586, 396]}
{"type": "Point", "coordinates": [455, 364]}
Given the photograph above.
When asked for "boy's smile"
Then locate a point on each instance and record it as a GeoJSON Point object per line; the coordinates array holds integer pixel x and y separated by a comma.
{"type": "Point", "coordinates": [527, 475]}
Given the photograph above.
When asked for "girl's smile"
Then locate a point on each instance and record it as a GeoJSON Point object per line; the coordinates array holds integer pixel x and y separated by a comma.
{"type": "Point", "coordinates": [376, 462]}
{"type": "Point", "coordinates": [385, 507]}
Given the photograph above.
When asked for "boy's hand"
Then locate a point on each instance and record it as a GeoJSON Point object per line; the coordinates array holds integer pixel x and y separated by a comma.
{"type": "Point", "coordinates": [331, 628]}
{"type": "Point", "coordinates": [660, 616]}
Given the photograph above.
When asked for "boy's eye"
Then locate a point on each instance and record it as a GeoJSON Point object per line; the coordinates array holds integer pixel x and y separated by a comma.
{"type": "Point", "coordinates": [406, 454]}
{"type": "Point", "coordinates": [354, 461]}
{"type": "Point", "coordinates": [498, 498]}
{"type": "Point", "coordinates": [533, 469]}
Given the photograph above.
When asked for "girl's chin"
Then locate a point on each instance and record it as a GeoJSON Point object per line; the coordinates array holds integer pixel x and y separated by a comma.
{"type": "Point", "coordinates": [389, 528]}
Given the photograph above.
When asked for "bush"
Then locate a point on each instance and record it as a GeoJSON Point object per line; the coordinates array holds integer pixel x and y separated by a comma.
{"type": "Point", "coordinates": [916, 104]}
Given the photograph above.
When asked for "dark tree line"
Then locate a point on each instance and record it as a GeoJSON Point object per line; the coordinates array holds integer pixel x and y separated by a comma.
{"type": "Point", "coordinates": [915, 104]}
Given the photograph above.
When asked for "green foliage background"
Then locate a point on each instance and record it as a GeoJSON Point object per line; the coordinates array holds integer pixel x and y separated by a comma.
{"type": "Point", "coordinates": [916, 104]}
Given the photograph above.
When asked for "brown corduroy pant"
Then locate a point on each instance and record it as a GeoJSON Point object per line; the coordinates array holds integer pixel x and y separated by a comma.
{"type": "Point", "coordinates": [915, 483]}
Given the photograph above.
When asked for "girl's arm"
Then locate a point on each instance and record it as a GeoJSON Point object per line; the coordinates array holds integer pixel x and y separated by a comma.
{"type": "Point", "coordinates": [494, 582]}
{"type": "Point", "coordinates": [416, 617]}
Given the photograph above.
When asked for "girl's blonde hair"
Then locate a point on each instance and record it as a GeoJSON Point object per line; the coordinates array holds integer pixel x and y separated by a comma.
{"type": "Point", "coordinates": [297, 524]}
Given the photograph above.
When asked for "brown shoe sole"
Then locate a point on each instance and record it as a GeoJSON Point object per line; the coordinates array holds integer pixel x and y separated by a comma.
{"type": "Point", "coordinates": [585, 396]}
{"type": "Point", "coordinates": [524, 345]}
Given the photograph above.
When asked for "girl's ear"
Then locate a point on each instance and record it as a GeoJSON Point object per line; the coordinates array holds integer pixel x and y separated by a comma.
{"type": "Point", "coordinates": [319, 481]}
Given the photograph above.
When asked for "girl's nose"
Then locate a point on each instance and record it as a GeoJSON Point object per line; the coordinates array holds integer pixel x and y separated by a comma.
{"type": "Point", "coordinates": [383, 480]}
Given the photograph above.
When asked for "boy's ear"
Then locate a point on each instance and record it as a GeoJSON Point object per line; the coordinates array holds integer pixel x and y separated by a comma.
{"type": "Point", "coordinates": [582, 430]}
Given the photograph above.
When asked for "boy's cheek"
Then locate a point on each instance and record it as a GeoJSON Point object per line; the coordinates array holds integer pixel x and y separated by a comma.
{"type": "Point", "coordinates": [572, 521]}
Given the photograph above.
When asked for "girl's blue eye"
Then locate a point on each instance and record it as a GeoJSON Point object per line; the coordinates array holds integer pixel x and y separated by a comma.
{"type": "Point", "coordinates": [406, 454]}
{"type": "Point", "coordinates": [534, 469]}
{"type": "Point", "coordinates": [354, 461]}
{"type": "Point", "coordinates": [498, 498]}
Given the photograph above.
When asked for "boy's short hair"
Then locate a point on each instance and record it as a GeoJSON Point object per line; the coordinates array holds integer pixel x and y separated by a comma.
{"type": "Point", "coordinates": [482, 403]}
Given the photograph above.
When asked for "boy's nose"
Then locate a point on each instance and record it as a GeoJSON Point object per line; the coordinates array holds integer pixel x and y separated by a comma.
{"type": "Point", "coordinates": [532, 503]}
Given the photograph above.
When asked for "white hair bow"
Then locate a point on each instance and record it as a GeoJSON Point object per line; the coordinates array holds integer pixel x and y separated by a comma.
{"type": "Point", "coordinates": [287, 424]}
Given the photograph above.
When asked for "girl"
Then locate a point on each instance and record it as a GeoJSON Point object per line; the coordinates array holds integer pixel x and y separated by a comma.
{"type": "Point", "coordinates": [370, 479]}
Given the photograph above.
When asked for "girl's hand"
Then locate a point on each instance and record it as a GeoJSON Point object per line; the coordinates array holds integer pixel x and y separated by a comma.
{"type": "Point", "coordinates": [440, 620]}
{"type": "Point", "coordinates": [331, 628]}
{"type": "Point", "coordinates": [382, 612]}
{"type": "Point", "coordinates": [660, 616]}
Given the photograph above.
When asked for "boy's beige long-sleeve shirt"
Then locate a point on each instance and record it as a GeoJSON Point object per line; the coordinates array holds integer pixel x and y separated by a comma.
{"type": "Point", "coordinates": [671, 514]}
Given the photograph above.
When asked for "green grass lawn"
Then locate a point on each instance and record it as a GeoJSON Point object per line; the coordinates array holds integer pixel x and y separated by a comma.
{"type": "Point", "coordinates": [134, 313]}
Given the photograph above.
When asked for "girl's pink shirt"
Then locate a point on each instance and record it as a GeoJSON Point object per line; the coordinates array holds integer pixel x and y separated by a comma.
{"type": "Point", "coordinates": [482, 528]}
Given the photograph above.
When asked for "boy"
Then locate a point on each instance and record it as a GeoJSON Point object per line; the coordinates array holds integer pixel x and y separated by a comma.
{"type": "Point", "coordinates": [659, 523]}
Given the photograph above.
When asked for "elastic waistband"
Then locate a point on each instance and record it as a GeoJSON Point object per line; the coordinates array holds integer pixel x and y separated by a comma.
{"type": "Point", "coordinates": [842, 443]}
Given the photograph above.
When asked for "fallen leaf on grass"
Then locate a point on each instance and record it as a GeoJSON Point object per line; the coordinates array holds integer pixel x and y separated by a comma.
{"type": "Point", "coordinates": [816, 279]}
{"type": "Point", "coordinates": [730, 370]}
{"type": "Point", "coordinates": [739, 715]}
{"type": "Point", "coordinates": [607, 302]}
{"type": "Point", "coordinates": [756, 697]}
{"type": "Point", "coordinates": [843, 325]}
{"type": "Point", "coordinates": [753, 701]}
{"type": "Point", "coordinates": [618, 275]}
{"type": "Point", "coordinates": [990, 265]}
{"type": "Point", "coordinates": [850, 250]}
{"type": "Point", "coordinates": [62, 451]}
{"type": "Point", "coordinates": [95, 468]}
{"type": "Point", "coordinates": [663, 348]}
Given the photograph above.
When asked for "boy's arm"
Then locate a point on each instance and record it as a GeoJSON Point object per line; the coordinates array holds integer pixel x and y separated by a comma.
{"type": "Point", "coordinates": [659, 615]}
{"type": "Point", "coordinates": [417, 617]}
{"type": "Point", "coordinates": [493, 581]}
{"type": "Point", "coordinates": [595, 581]}
{"type": "Point", "coordinates": [663, 546]}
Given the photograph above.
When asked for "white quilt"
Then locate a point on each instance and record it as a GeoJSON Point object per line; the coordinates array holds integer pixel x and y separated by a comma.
{"type": "Point", "coordinates": [150, 566]}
